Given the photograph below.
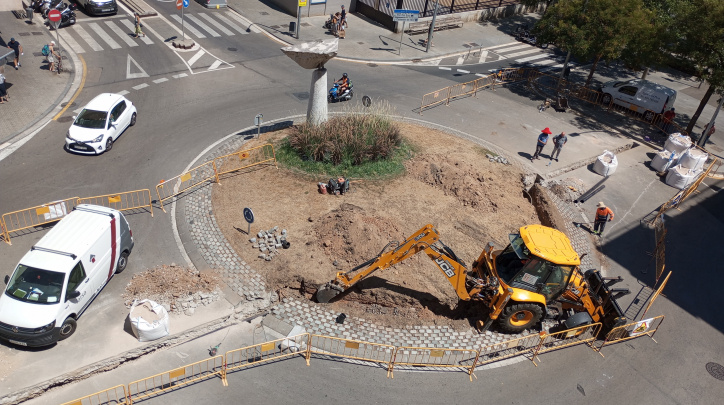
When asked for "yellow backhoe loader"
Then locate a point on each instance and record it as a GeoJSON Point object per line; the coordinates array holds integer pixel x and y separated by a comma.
{"type": "Point", "coordinates": [536, 275]}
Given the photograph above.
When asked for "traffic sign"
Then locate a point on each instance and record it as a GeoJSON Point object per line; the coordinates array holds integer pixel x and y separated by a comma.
{"type": "Point", "coordinates": [186, 3]}
{"type": "Point", "coordinates": [248, 215]}
{"type": "Point", "coordinates": [302, 3]}
{"type": "Point", "coordinates": [405, 15]}
{"type": "Point", "coordinates": [179, 4]}
{"type": "Point", "coordinates": [54, 18]}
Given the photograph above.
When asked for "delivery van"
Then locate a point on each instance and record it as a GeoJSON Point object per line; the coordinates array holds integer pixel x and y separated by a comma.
{"type": "Point", "coordinates": [639, 95]}
{"type": "Point", "coordinates": [59, 277]}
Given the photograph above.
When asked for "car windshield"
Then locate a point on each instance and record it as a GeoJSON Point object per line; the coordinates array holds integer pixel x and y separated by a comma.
{"type": "Point", "coordinates": [91, 119]}
{"type": "Point", "coordinates": [38, 286]}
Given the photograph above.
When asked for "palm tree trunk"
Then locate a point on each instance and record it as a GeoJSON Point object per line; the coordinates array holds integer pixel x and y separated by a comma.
{"type": "Point", "coordinates": [702, 103]}
{"type": "Point", "coordinates": [593, 69]}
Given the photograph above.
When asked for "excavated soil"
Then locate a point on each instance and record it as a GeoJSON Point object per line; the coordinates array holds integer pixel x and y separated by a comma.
{"type": "Point", "coordinates": [449, 183]}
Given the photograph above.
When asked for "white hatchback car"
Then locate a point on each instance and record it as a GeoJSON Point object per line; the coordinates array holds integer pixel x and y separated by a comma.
{"type": "Point", "coordinates": [100, 123]}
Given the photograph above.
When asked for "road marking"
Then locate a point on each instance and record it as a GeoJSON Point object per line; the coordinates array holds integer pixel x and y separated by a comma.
{"type": "Point", "coordinates": [202, 25]}
{"type": "Point", "coordinates": [77, 92]}
{"type": "Point", "coordinates": [161, 80]}
{"type": "Point", "coordinates": [244, 21]}
{"type": "Point", "coordinates": [502, 45]}
{"type": "Point", "coordinates": [463, 71]}
{"type": "Point", "coordinates": [180, 75]}
{"type": "Point", "coordinates": [232, 24]}
{"type": "Point", "coordinates": [545, 62]}
{"type": "Point", "coordinates": [461, 59]}
{"type": "Point", "coordinates": [71, 42]}
{"type": "Point", "coordinates": [138, 75]}
{"type": "Point", "coordinates": [77, 110]}
{"type": "Point", "coordinates": [526, 52]}
{"type": "Point", "coordinates": [534, 57]}
{"type": "Point", "coordinates": [132, 28]}
{"type": "Point", "coordinates": [214, 65]}
{"type": "Point", "coordinates": [481, 75]}
{"type": "Point", "coordinates": [87, 38]}
{"type": "Point", "coordinates": [512, 48]}
{"type": "Point", "coordinates": [216, 24]}
{"type": "Point", "coordinates": [8, 150]}
{"type": "Point", "coordinates": [196, 57]}
{"type": "Point", "coordinates": [188, 27]}
{"type": "Point", "coordinates": [483, 56]}
{"type": "Point", "coordinates": [5, 145]}
{"type": "Point", "coordinates": [140, 86]}
{"type": "Point", "coordinates": [123, 92]}
{"type": "Point", "coordinates": [124, 35]}
{"type": "Point", "coordinates": [444, 68]}
{"type": "Point", "coordinates": [97, 28]}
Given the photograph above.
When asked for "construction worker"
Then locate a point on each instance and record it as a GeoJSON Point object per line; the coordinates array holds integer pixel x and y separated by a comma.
{"type": "Point", "coordinates": [603, 215]}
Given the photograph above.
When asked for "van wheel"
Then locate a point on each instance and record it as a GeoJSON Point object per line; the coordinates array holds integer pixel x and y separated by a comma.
{"type": "Point", "coordinates": [649, 116]}
{"type": "Point", "coordinates": [606, 100]}
{"type": "Point", "coordinates": [122, 262]}
{"type": "Point", "coordinates": [67, 329]}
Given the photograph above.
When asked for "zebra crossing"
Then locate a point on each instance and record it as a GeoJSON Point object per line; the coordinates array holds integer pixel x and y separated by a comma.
{"type": "Point", "coordinates": [514, 51]}
{"type": "Point", "coordinates": [85, 37]}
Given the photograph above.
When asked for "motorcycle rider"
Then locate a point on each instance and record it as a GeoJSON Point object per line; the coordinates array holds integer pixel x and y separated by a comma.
{"type": "Point", "coordinates": [343, 84]}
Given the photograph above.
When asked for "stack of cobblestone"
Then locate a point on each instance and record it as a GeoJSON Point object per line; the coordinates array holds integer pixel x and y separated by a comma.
{"type": "Point", "coordinates": [188, 304]}
{"type": "Point", "coordinates": [497, 159]}
{"type": "Point", "coordinates": [269, 243]}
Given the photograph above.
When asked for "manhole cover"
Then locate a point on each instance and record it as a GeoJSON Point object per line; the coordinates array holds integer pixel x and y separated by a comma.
{"type": "Point", "coordinates": [466, 45]}
{"type": "Point", "coordinates": [64, 104]}
{"type": "Point", "coordinates": [301, 96]}
{"type": "Point", "coordinates": [24, 34]}
{"type": "Point", "coordinates": [372, 64]}
{"type": "Point", "coordinates": [716, 370]}
{"type": "Point", "coordinates": [65, 119]}
{"type": "Point", "coordinates": [263, 13]}
{"type": "Point", "coordinates": [232, 49]}
{"type": "Point", "coordinates": [361, 43]}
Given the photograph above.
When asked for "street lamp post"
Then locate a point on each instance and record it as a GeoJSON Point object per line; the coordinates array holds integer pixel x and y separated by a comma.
{"type": "Point", "coordinates": [432, 27]}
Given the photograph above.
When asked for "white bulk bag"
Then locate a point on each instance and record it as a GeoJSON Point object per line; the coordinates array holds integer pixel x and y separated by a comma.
{"type": "Point", "coordinates": [681, 177]}
{"type": "Point", "coordinates": [694, 159]}
{"type": "Point", "coordinates": [149, 320]}
{"type": "Point", "coordinates": [677, 143]}
{"type": "Point", "coordinates": [606, 164]}
{"type": "Point", "coordinates": [663, 160]}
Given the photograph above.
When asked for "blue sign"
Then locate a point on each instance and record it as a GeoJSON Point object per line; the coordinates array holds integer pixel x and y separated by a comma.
{"type": "Point", "coordinates": [186, 3]}
{"type": "Point", "coordinates": [248, 215]}
{"type": "Point", "coordinates": [405, 15]}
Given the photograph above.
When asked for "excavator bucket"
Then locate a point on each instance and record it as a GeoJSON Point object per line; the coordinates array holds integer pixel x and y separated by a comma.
{"type": "Point", "coordinates": [600, 287]}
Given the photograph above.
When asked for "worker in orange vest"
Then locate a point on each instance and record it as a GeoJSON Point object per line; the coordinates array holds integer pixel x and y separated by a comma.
{"type": "Point", "coordinates": [603, 215]}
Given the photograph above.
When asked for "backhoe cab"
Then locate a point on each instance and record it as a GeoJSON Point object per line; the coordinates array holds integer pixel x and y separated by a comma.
{"type": "Point", "coordinates": [536, 275]}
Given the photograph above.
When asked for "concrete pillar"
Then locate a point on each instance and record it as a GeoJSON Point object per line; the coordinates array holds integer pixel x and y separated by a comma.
{"type": "Point", "coordinates": [317, 105]}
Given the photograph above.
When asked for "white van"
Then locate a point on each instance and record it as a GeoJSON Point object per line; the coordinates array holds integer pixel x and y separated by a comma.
{"type": "Point", "coordinates": [639, 95]}
{"type": "Point", "coordinates": [61, 275]}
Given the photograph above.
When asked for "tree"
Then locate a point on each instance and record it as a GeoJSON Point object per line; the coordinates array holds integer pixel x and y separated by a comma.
{"type": "Point", "coordinates": [595, 29]}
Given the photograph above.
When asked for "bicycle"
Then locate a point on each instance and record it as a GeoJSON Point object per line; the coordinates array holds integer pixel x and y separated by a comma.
{"type": "Point", "coordinates": [59, 63]}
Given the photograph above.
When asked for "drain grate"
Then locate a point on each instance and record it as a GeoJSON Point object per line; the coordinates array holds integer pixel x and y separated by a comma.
{"type": "Point", "coordinates": [232, 49]}
{"type": "Point", "coordinates": [467, 46]}
{"type": "Point", "coordinates": [64, 119]}
{"type": "Point", "coordinates": [37, 33]}
{"type": "Point", "coordinates": [361, 43]}
{"type": "Point", "coordinates": [372, 64]}
{"type": "Point", "coordinates": [474, 45]}
{"type": "Point", "coordinates": [416, 60]}
{"type": "Point", "coordinates": [24, 34]}
{"type": "Point", "coordinates": [716, 370]}
{"type": "Point", "coordinates": [64, 104]}
{"type": "Point", "coordinates": [263, 13]}
{"type": "Point", "coordinates": [276, 27]}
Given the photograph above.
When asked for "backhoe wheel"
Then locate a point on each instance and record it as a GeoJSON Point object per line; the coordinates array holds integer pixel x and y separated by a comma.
{"type": "Point", "coordinates": [519, 317]}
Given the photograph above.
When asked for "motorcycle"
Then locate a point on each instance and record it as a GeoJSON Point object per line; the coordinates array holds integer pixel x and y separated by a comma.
{"type": "Point", "coordinates": [334, 95]}
{"type": "Point", "coordinates": [523, 35]}
{"type": "Point", "coordinates": [50, 5]}
{"type": "Point", "coordinates": [328, 23]}
{"type": "Point", "coordinates": [67, 14]}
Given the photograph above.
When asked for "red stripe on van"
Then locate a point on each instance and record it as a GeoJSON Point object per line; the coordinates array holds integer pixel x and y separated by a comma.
{"type": "Point", "coordinates": [113, 248]}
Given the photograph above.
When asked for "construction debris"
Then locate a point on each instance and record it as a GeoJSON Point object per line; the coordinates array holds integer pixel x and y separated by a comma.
{"type": "Point", "coordinates": [269, 243]}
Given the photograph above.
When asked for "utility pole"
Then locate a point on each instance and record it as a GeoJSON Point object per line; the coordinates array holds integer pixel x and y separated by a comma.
{"type": "Point", "coordinates": [432, 27]}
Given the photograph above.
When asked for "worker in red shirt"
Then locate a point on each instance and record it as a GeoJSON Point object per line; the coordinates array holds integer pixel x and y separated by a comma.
{"type": "Point", "coordinates": [668, 119]}
{"type": "Point", "coordinates": [603, 215]}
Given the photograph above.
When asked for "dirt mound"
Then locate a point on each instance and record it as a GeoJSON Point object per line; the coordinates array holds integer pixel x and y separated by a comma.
{"type": "Point", "coordinates": [449, 184]}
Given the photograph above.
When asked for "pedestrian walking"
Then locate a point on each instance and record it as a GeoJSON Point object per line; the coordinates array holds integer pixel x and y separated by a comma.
{"type": "Point", "coordinates": [15, 46]}
{"type": "Point", "coordinates": [668, 119]}
{"type": "Point", "coordinates": [542, 141]}
{"type": "Point", "coordinates": [343, 17]}
{"type": "Point", "coordinates": [52, 56]}
{"type": "Point", "coordinates": [3, 90]}
{"type": "Point", "coordinates": [603, 215]}
{"type": "Point", "coordinates": [139, 31]}
{"type": "Point", "coordinates": [558, 142]}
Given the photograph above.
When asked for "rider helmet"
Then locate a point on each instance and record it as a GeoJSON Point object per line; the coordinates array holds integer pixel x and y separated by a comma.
{"type": "Point", "coordinates": [344, 74]}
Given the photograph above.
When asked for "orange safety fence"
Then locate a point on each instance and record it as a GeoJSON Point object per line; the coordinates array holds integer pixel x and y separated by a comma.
{"type": "Point", "coordinates": [125, 201]}
{"type": "Point", "coordinates": [111, 396]}
{"type": "Point", "coordinates": [245, 158]}
{"type": "Point", "coordinates": [463, 359]}
{"type": "Point", "coordinates": [273, 350]}
{"type": "Point", "coordinates": [569, 337]}
{"type": "Point", "coordinates": [507, 349]}
{"type": "Point", "coordinates": [483, 82]}
{"type": "Point", "coordinates": [352, 349]}
{"type": "Point", "coordinates": [200, 174]}
{"type": "Point", "coordinates": [172, 379]}
{"type": "Point", "coordinates": [461, 89]}
{"type": "Point", "coordinates": [644, 327]}
{"type": "Point", "coordinates": [35, 216]}
{"type": "Point", "coordinates": [435, 97]}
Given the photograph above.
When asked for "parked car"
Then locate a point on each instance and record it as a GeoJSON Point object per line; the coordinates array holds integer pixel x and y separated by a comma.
{"type": "Point", "coordinates": [99, 7]}
{"type": "Point", "coordinates": [639, 94]}
{"type": "Point", "coordinates": [56, 281]}
{"type": "Point", "coordinates": [212, 3]}
{"type": "Point", "coordinates": [100, 123]}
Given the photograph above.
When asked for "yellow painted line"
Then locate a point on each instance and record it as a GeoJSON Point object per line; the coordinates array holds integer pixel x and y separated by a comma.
{"type": "Point", "coordinates": [77, 92]}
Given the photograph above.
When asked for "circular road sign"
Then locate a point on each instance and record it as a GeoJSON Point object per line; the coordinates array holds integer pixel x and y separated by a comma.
{"type": "Point", "coordinates": [179, 4]}
{"type": "Point", "coordinates": [248, 215]}
{"type": "Point", "coordinates": [54, 15]}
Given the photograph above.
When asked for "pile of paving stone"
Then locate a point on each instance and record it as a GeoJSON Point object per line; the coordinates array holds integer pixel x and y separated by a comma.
{"type": "Point", "coordinates": [269, 242]}
{"type": "Point", "coordinates": [188, 304]}
{"type": "Point", "coordinates": [497, 159]}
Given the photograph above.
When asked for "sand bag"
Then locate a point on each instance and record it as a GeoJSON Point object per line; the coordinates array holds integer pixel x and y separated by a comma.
{"type": "Point", "coordinates": [149, 320]}
{"type": "Point", "coordinates": [606, 164]}
{"type": "Point", "coordinates": [677, 143]}
{"type": "Point", "coordinates": [664, 159]}
{"type": "Point", "coordinates": [694, 159]}
{"type": "Point", "coordinates": [681, 177]}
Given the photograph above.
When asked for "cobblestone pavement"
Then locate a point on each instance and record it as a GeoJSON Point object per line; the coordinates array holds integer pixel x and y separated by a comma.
{"type": "Point", "coordinates": [246, 282]}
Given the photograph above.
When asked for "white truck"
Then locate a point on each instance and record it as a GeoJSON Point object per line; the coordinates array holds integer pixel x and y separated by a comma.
{"type": "Point", "coordinates": [61, 275]}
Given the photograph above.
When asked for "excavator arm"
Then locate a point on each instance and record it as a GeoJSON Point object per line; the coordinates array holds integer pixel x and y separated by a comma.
{"type": "Point", "coordinates": [426, 239]}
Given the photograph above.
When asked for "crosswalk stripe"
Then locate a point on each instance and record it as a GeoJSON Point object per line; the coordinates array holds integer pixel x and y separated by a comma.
{"type": "Point", "coordinates": [140, 86]}
{"type": "Point", "coordinates": [244, 21]}
{"type": "Point", "coordinates": [526, 52]}
{"type": "Point", "coordinates": [68, 39]}
{"type": "Point", "coordinates": [196, 57]}
{"type": "Point", "coordinates": [216, 24]}
{"type": "Point", "coordinates": [146, 40]}
{"type": "Point", "coordinates": [86, 37]}
{"type": "Point", "coordinates": [534, 57]}
{"type": "Point", "coordinates": [502, 45]}
{"type": "Point", "coordinates": [97, 28]}
{"type": "Point", "coordinates": [483, 56]}
{"type": "Point", "coordinates": [545, 62]}
{"type": "Point", "coordinates": [231, 24]}
{"type": "Point", "coordinates": [512, 48]}
{"type": "Point", "coordinates": [461, 60]}
{"type": "Point", "coordinates": [214, 65]}
{"type": "Point", "coordinates": [188, 28]}
{"type": "Point", "coordinates": [202, 25]}
{"type": "Point", "coordinates": [124, 35]}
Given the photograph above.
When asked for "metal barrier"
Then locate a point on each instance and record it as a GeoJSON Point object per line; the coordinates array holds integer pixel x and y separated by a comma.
{"type": "Point", "coordinates": [105, 397]}
{"type": "Point", "coordinates": [267, 351]}
{"type": "Point", "coordinates": [645, 327]}
{"type": "Point", "coordinates": [245, 158]}
{"type": "Point", "coordinates": [125, 201]}
{"type": "Point", "coordinates": [507, 349]}
{"type": "Point", "coordinates": [463, 359]}
{"type": "Point", "coordinates": [35, 216]}
{"type": "Point", "coordinates": [199, 174]}
{"type": "Point", "coordinates": [434, 98]}
{"type": "Point", "coordinates": [660, 249]}
{"type": "Point", "coordinates": [461, 89]}
{"type": "Point", "coordinates": [570, 337]}
{"type": "Point", "coordinates": [172, 379]}
{"type": "Point", "coordinates": [682, 195]}
{"type": "Point", "coordinates": [351, 349]}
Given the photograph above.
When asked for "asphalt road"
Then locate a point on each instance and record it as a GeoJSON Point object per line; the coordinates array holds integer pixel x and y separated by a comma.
{"type": "Point", "coordinates": [180, 116]}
